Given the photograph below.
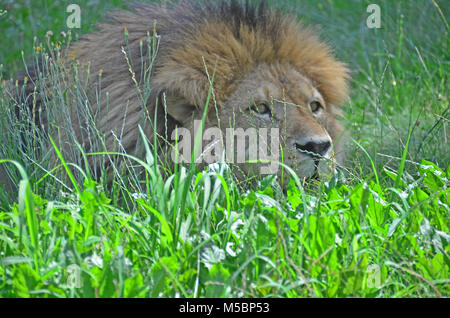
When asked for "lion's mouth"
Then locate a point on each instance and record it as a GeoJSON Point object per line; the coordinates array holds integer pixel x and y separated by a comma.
{"type": "Point", "coordinates": [320, 168]}
{"type": "Point", "coordinates": [315, 174]}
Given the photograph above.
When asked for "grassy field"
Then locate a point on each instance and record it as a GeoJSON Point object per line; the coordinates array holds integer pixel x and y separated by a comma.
{"type": "Point", "coordinates": [379, 227]}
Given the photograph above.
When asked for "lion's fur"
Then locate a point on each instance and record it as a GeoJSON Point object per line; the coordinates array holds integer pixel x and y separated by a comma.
{"type": "Point", "coordinates": [230, 38]}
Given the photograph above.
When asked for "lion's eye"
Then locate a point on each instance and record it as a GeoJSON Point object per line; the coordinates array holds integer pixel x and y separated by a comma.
{"type": "Point", "coordinates": [261, 109]}
{"type": "Point", "coordinates": [315, 106]}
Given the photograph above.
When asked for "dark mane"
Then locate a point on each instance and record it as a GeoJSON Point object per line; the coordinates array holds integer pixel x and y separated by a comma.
{"type": "Point", "coordinates": [256, 15]}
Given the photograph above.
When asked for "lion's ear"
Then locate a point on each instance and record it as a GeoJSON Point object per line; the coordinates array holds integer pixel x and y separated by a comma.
{"type": "Point", "coordinates": [180, 109]}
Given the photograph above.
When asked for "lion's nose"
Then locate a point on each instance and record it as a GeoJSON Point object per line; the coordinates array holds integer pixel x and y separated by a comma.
{"type": "Point", "coordinates": [314, 148]}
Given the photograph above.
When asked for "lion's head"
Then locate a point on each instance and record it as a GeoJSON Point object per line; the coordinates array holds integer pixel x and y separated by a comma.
{"type": "Point", "coordinates": [269, 72]}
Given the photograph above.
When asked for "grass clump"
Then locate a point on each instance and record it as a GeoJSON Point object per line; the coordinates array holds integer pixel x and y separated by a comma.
{"type": "Point", "coordinates": [340, 241]}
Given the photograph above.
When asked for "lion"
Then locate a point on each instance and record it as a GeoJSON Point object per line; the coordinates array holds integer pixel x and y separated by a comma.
{"type": "Point", "coordinates": [253, 65]}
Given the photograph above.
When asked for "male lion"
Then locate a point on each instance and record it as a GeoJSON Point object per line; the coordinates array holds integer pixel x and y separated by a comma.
{"type": "Point", "coordinates": [265, 68]}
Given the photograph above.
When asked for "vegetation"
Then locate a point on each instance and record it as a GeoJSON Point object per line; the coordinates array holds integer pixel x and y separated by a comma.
{"type": "Point", "coordinates": [379, 227]}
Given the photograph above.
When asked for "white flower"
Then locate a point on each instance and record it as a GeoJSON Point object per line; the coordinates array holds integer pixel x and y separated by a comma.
{"type": "Point", "coordinates": [212, 255]}
{"type": "Point", "coordinates": [52, 264]}
{"type": "Point", "coordinates": [404, 194]}
{"type": "Point", "coordinates": [377, 198]}
{"type": "Point", "coordinates": [229, 249]}
{"type": "Point", "coordinates": [128, 262]}
{"type": "Point", "coordinates": [262, 218]}
{"type": "Point", "coordinates": [266, 200]}
{"type": "Point", "coordinates": [337, 239]}
{"type": "Point", "coordinates": [139, 196]}
{"type": "Point", "coordinates": [205, 236]}
{"type": "Point", "coordinates": [236, 224]}
{"type": "Point", "coordinates": [94, 260]}
{"type": "Point", "coordinates": [313, 202]}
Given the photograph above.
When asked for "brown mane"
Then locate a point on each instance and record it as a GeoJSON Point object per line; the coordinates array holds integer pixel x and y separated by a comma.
{"type": "Point", "coordinates": [231, 37]}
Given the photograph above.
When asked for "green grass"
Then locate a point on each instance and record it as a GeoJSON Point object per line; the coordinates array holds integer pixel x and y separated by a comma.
{"type": "Point", "coordinates": [378, 228]}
